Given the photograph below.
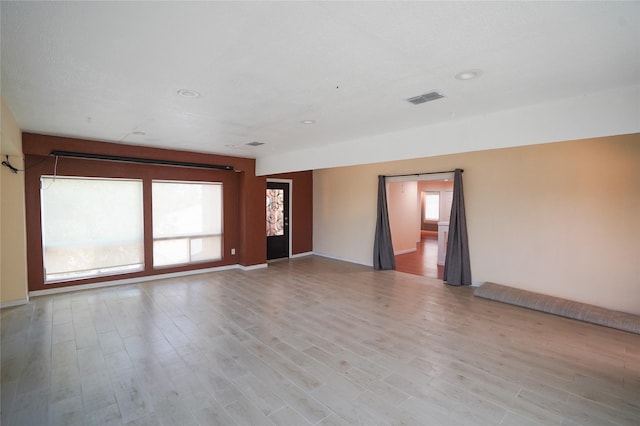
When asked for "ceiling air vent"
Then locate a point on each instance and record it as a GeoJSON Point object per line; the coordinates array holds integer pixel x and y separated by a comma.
{"type": "Point", "coordinates": [255, 143]}
{"type": "Point", "coordinates": [427, 97]}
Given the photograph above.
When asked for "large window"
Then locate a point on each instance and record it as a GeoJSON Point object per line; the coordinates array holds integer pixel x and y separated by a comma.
{"type": "Point", "coordinates": [187, 222]}
{"type": "Point", "coordinates": [91, 227]}
{"type": "Point", "coordinates": [95, 226]}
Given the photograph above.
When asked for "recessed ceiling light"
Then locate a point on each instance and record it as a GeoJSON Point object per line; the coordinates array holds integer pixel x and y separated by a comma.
{"type": "Point", "coordinates": [186, 93]}
{"type": "Point", "coordinates": [468, 75]}
{"type": "Point", "coordinates": [255, 143]}
{"type": "Point", "coordinates": [308, 121]}
{"type": "Point", "coordinates": [138, 133]}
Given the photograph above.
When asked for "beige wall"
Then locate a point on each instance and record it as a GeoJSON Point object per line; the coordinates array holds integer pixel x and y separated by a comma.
{"type": "Point", "coordinates": [13, 247]}
{"type": "Point", "coordinates": [559, 219]}
{"type": "Point", "coordinates": [404, 215]}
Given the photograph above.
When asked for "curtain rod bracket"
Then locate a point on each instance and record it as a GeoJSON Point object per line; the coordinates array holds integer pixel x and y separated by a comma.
{"type": "Point", "coordinates": [7, 164]}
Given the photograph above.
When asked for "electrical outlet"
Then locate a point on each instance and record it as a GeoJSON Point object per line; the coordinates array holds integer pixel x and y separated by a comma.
{"type": "Point", "coordinates": [233, 251]}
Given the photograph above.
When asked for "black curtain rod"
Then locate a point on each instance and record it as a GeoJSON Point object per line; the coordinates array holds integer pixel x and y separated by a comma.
{"type": "Point", "coordinates": [138, 160]}
{"type": "Point", "coordinates": [422, 174]}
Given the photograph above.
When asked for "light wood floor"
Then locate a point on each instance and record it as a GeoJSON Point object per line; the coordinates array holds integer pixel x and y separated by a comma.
{"type": "Point", "coordinates": [309, 341]}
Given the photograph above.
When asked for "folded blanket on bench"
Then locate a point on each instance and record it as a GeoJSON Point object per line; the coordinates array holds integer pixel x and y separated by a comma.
{"type": "Point", "coordinates": [563, 307]}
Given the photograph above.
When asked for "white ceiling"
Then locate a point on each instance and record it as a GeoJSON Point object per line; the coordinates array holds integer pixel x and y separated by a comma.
{"type": "Point", "coordinates": [102, 70]}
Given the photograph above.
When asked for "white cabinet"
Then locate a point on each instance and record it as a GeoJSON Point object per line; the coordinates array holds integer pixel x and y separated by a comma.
{"type": "Point", "coordinates": [443, 235]}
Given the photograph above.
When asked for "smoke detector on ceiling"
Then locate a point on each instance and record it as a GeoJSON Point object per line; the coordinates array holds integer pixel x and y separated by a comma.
{"type": "Point", "coordinates": [469, 74]}
{"type": "Point", "coordinates": [427, 97]}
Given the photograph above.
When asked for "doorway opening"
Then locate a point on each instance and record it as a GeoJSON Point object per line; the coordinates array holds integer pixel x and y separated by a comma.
{"type": "Point", "coordinates": [419, 212]}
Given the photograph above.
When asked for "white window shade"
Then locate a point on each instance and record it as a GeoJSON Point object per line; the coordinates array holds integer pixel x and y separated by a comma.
{"type": "Point", "coordinates": [187, 222]}
{"type": "Point", "coordinates": [91, 227]}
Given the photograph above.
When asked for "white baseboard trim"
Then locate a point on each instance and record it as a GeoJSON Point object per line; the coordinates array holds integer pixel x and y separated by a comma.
{"type": "Point", "coordinates": [476, 283]}
{"type": "Point", "coordinates": [125, 281]}
{"type": "Point", "coordinates": [343, 259]}
{"type": "Point", "coordinates": [395, 253]}
{"type": "Point", "coordinates": [252, 267]}
{"type": "Point", "coordinates": [307, 253]}
{"type": "Point", "coordinates": [12, 303]}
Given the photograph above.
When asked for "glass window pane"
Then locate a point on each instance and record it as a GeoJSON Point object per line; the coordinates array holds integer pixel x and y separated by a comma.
{"type": "Point", "coordinates": [91, 227]}
{"type": "Point", "coordinates": [432, 206]}
{"type": "Point", "coordinates": [275, 212]}
{"type": "Point", "coordinates": [171, 252]}
{"type": "Point", "coordinates": [208, 248]}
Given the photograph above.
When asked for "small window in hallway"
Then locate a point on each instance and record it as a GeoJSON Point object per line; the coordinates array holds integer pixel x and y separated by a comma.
{"type": "Point", "coordinates": [432, 205]}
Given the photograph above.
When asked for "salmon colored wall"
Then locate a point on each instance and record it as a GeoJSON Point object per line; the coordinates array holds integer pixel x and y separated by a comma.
{"type": "Point", "coordinates": [301, 210]}
{"type": "Point", "coordinates": [244, 213]}
{"type": "Point", "coordinates": [404, 215]}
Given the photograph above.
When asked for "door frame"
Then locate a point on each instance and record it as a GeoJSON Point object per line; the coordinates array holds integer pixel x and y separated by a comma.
{"type": "Point", "coordinates": [420, 178]}
{"type": "Point", "coordinates": [290, 182]}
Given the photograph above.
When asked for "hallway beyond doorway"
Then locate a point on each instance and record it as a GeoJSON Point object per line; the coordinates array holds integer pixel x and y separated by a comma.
{"type": "Point", "coordinates": [423, 261]}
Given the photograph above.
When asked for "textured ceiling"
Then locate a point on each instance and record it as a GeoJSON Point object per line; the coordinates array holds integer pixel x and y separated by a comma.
{"type": "Point", "coordinates": [103, 70]}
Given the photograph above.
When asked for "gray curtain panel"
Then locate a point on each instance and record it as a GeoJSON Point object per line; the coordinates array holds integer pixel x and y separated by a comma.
{"type": "Point", "coordinates": [383, 258]}
{"type": "Point", "coordinates": [457, 266]}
